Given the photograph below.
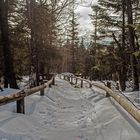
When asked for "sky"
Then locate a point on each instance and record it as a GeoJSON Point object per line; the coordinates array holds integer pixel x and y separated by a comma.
{"type": "Point", "coordinates": [85, 25]}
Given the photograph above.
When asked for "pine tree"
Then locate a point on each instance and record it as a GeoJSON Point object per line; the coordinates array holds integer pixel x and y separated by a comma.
{"type": "Point", "coordinates": [132, 45]}
{"type": "Point", "coordinates": [9, 75]}
{"type": "Point", "coordinates": [73, 37]}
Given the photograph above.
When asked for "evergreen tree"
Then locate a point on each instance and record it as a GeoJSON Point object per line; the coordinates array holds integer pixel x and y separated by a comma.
{"type": "Point", "coordinates": [132, 45]}
{"type": "Point", "coordinates": [73, 34]}
{"type": "Point", "coordinates": [114, 17]}
{"type": "Point", "coordinates": [9, 74]}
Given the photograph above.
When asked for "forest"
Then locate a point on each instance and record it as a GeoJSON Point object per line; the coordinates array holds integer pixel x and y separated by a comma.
{"type": "Point", "coordinates": [42, 36]}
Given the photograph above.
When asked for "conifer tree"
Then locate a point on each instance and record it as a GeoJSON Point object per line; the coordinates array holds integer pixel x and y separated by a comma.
{"type": "Point", "coordinates": [9, 74]}
{"type": "Point", "coordinates": [73, 37]}
{"type": "Point", "coordinates": [132, 45]}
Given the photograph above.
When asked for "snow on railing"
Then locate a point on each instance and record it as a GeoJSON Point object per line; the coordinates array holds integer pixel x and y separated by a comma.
{"type": "Point", "coordinates": [122, 100]}
{"type": "Point", "coordinates": [19, 96]}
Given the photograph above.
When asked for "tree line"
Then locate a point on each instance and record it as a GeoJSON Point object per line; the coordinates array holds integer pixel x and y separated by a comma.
{"type": "Point", "coordinates": [119, 20]}
{"type": "Point", "coordinates": [42, 36]}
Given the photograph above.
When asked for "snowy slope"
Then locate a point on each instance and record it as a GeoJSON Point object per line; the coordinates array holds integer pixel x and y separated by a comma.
{"type": "Point", "coordinates": [68, 113]}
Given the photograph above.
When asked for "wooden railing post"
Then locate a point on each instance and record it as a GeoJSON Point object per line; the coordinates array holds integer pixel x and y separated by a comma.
{"type": "Point", "coordinates": [117, 86]}
{"type": "Point", "coordinates": [81, 83]}
{"type": "Point", "coordinates": [53, 81]}
{"type": "Point", "coordinates": [109, 86]}
{"type": "Point", "coordinates": [50, 85]}
{"type": "Point", "coordinates": [42, 92]}
{"type": "Point", "coordinates": [71, 80]}
{"type": "Point", "coordinates": [21, 106]}
{"type": "Point", "coordinates": [76, 81]}
{"type": "Point", "coordinates": [90, 85]}
{"type": "Point", "coordinates": [68, 78]}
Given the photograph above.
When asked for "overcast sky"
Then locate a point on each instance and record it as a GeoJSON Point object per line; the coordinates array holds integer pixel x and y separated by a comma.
{"type": "Point", "coordinates": [84, 19]}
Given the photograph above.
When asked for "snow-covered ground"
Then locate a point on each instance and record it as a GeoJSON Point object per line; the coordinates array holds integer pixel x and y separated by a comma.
{"type": "Point", "coordinates": [68, 113]}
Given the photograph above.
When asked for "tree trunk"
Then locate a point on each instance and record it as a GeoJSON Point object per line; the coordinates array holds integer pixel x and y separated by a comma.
{"type": "Point", "coordinates": [122, 68]}
{"type": "Point", "coordinates": [9, 75]}
{"type": "Point", "coordinates": [122, 78]}
{"type": "Point", "coordinates": [132, 46]}
{"type": "Point", "coordinates": [122, 72]}
{"type": "Point", "coordinates": [73, 40]}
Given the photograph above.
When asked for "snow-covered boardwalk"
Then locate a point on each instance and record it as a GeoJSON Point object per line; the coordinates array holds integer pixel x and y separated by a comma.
{"type": "Point", "coordinates": [68, 113]}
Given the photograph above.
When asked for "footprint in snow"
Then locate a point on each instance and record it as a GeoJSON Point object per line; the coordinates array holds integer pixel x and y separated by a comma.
{"type": "Point", "coordinates": [42, 112]}
{"type": "Point", "coordinates": [43, 138]}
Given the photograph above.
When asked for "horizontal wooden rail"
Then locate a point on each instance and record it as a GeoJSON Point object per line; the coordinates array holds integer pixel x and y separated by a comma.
{"type": "Point", "coordinates": [19, 96]}
{"type": "Point", "coordinates": [71, 77]}
{"type": "Point", "coordinates": [122, 100]}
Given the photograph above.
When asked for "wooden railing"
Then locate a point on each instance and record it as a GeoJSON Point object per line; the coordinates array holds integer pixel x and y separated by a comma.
{"type": "Point", "coordinates": [71, 78]}
{"type": "Point", "coordinates": [20, 96]}
{"type": "Point", "coordinates": [122, 100]}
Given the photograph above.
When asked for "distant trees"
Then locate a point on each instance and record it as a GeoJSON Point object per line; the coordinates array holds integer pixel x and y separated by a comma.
{"type": "Point", "coordinates": [38, 36]}
{"type": "Point", "coordinates": [74, 51]}
{"type": "Point", "coordinates": [44, 23]}
{"type": "Point", "coordinates": [32, 31]}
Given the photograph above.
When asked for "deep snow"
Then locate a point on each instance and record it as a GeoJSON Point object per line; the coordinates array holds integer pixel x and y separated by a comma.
{"type": "Point", "coordinates": [68, 113]}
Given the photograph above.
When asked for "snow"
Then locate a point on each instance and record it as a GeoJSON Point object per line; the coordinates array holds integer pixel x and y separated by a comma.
{"type": "Point", "coordinates": [8, 91]}
{"type": "Point", "coordinates": [68, 113]}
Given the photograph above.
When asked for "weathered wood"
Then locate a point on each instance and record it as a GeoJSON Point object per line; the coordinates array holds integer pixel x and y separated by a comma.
{"type": "Point", "coordinates": [109, 86]}
{"type": "Point", "coordinates": [42, 92]}
{"type": "Point", "coordinates": [53, 81]}
{"type": "Point", "coordinates": [50, 85]}
{"type": "Point", "coordinates": [117, 85]}
{"type": "Point", "coordinates": [81, 83]}
{"type": "Point", "coordinates": [21, 106]}
{"type": "Point", "coordinates": [90, 85]}
{"type": "Point", "coordinates": [76, 80]}
{"type": "Point", "coordinates": [35, 89]}
{"type": "Point", "coordinates": [71, 80]}
{"type": "Point", "coordinates": [123, 101]}
{"type": "Point", "coordinates": [19, 96]}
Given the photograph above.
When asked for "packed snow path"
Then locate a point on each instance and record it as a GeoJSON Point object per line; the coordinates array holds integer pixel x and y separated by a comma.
{"type": "Point", "coordinates": [68, 113]}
